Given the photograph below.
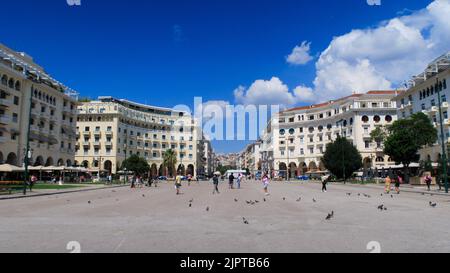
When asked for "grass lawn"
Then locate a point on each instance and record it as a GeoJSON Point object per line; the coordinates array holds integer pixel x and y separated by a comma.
{"type": "Point", "coordinates": [55, 187]}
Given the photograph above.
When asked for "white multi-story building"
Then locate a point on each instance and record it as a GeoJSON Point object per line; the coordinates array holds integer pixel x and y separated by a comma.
{"type": "Point", "coordinates": [25, 87]}
{"type": "Point", "coordinates": [110, 130]}
{"type": "Point", "coordinates": [299, 136]}
{"type": "Point", "coordinates": [250, 158]}
{"type": "Point", "coordinates": [208, 158]}
{"type": "Point", "coordinates": [424, 94]}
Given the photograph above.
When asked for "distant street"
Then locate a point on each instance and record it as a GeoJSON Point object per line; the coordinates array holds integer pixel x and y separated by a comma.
{"type": "Point", "coordinates": [156, 220]}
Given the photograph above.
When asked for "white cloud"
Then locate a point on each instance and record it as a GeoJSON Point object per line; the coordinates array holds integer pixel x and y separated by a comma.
{"type": "Point", "coordinates": [304, 94]}
{"type": "Point", "coordinates": [377, 58]}
{"type": "Point", "coordinates": [384, 56]}
{"type": "Point", "coordinates": [300, 54]}
{"type": "Point", "coordinates": [272, 92]}
{"type": "Point", "coordinates": [263, 92]}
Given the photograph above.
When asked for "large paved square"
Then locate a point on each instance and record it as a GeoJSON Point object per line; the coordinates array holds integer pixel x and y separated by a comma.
{"type": "Point", "coordinates": [156, 220]}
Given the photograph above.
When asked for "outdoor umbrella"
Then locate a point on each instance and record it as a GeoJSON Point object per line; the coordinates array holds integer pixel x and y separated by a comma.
{"type": "Point", "coordinates": [7, 168]}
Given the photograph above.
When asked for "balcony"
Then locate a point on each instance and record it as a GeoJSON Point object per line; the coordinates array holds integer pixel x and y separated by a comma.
{"type": "Point", "coordinates": [86, 133]}
{"type": "Point", "coordinates": [445, 105]}
{"type": "Point", "coordinates": [5, 102]}
{"type": "Point", "coordinates": [434, 109]}
{"type": "Point", "coordinates": [97, 133]}
{"type": "Point", "coordinates": [86, 144]}
{"type": "Point", "coordinates": [4, 120]}
{"type": "Point", "coordinates": [108, 144]}
{"type": "Point", "coordinates": [96, 144]}
{"type": "Point", "coordinates": [109, 133]}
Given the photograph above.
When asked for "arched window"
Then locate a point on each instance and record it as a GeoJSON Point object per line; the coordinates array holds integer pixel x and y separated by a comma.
{"type": "Point", "coordinates": [4, 80]}
{"type": "Point", "coordinates": [388, 118]}
{"type": "Point", "coordinates": [377, 119]}
{"type": "Point", "coordinates": [365, 119]}
{"type": "Point", "coordinates": [380, 159]}
{"type": "Point", "coordinates": [291, 131]}
{"type": "Point", "coordinates": [11, 83]}
{"type": "Point", "coordinates": [311, 129]}
{"type": "Point", "coordinates": [17, 87]}
{"type": "Point", "coordinates": [320, 128]}
{"type": "Point", "coordinates": [282, 132]}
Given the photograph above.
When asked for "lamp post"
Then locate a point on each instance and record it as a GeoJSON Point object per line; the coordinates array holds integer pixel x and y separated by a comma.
{"type": "Point", "coordinates": [27, 149]}
{"type": "Point", "coordinates": [444, 152]}
{"type": "Point", "coordinates": [288, 165]}
{"type": "Point", "coordinates": [343, 151]}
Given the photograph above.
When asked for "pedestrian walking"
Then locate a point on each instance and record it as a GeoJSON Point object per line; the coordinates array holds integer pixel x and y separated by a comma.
{"type": "Point", "coordinates": [178, 184]}
{"type": "Point", "coordinates": [133, 182]}
{"type": "Point", "coordinates": [110, 179]}
{"type": "Point", "coordinates": [265, 181]}
{"type": "Point", "coordinates": [398, 182]}
{"type": "Point", "coordinates": [33, 181]}
{"type": "Point", "coordinates": [387, 184]}
{"type": "Point", "coordinates": [216, 184]}
{"type": "Point", "coordinates": [231, 181]}
{"type": "Point", "coordinates": [189, 179]}
{"type": "Point", "coordinates": [239, 180]}
{"type": "Point", "coordinates": [428, 181]}
{"type": "Point", "coordinates": [324, 183]}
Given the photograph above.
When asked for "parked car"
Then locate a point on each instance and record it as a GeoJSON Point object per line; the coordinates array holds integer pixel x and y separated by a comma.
{"type": "Point", "coordinates": [303, 177]}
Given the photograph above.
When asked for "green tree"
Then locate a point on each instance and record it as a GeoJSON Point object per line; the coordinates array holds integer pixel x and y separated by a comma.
{"type": "Point", "coordinates": [341, 158]}
{"type": "Point", "coordinates": [379, 134]}
{"type": "Point", "coordinates": [407, 136]}
{"type": "Point", "coordinates": [170, 160]}
{"type": "Point", "coordinates": [224, 169]}
{"type": "Point", "coordinates": [136, 164]}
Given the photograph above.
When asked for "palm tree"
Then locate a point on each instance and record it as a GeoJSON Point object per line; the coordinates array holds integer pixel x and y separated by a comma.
{"type": "Point", "coordinates": [170, 160]}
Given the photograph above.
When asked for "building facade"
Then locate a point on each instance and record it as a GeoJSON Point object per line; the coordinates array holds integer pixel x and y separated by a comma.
{"type": "Point", "coordinates": [208, 158]}
{"type": "Point", "coordinates": [299, 136]}
{"type": "Point", "coordinates": [424, 94]}
{"type": "Point", "coordinates": [111, 130]}
{"type": "Point", "coordinates": [25, 86]}
{"type": "Point", "coordinates": [250, 158]}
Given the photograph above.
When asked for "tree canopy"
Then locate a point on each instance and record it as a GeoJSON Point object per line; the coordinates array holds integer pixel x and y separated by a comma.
{"type": "Point", "coordinates": [170, 160]}
{"type": "Point", "coordinates": [407, 136]}
{"type": "Point", "coordinates": [341, 155]}
{"type": "Point", "coordinates": [136, 164]}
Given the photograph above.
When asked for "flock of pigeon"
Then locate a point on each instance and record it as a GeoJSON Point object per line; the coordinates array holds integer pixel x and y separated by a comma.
{"type": "Point", "coordinates": [330, 216]}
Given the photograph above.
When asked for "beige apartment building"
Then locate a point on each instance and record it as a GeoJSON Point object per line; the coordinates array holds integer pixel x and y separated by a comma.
{"type": "Point", "coordinates": [110, 130]}
{"type": "Point", "coordinates": [53, 113]}
{"type": "Point", "coordinates": [295, 140]}
{"type": "Point", "coordinates": [424, 94]}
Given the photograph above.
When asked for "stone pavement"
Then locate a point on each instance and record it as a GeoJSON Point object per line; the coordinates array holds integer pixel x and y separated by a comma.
{"type": "Point", "coordinates": [156, 220]}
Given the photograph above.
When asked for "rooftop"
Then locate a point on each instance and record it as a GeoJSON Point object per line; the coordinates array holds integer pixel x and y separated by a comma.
{"type": "Point", "coordinates": [356, 95]}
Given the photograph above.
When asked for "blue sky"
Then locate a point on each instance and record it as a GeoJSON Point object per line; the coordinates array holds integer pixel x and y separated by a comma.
{"type": "Point", "coordinates": [166, 52]}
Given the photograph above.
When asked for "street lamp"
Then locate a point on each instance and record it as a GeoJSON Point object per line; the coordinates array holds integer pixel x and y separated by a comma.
{"type": "Point", "coordinates": [27, 149]}
{"type": "Point", "coordinates": [444, 152]}
{"type": "Point", "coordinates": [288, 164]}
{"type": "Point", "coordinates": [343, 150]}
